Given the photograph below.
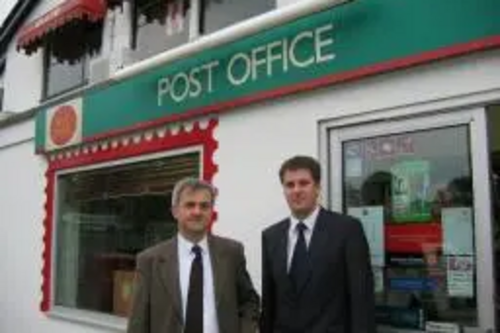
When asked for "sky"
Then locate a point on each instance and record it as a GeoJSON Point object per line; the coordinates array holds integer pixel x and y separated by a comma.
{"type": "Point", "coordinates": [5, 7]}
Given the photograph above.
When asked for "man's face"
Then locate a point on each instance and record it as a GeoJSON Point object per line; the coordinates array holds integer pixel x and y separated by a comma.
{"type": "Point", "coordinates": [193, 212]}
{"type": "Point", "coordinates": [301, 192]}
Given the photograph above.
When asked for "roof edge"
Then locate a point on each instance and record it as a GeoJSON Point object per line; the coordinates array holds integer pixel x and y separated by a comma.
{"type": "Point", "coordinates": [13, 22]}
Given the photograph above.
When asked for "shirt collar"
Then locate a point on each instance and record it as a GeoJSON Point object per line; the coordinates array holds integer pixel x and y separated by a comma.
{"type": "Point", "coordinates": [186, 246]}
{"type": "Point", "coordinates": [309, 221]}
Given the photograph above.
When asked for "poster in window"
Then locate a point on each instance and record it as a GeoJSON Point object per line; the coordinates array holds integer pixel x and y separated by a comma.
{"type": "Point", "coordinates": [457, 231]}
{"type": "Point", "coordinates": [439, 327]}
{"type": "Point", "coordinates": [410, 190]}
{"type": "Point", "coordinates": [372, 220]}
{"type": "Point", "coordinates": [353, 160]}
{"type": "Point", "coordinates": [460, 276]}
{"type": "Point", "coordinates": [412, 238]}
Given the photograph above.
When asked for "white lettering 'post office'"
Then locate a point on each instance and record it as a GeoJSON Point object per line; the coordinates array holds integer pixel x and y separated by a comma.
{"type": "Point", "coordinates": [183, 85]}
{"type": "Point", "coordinates": [322, 38]}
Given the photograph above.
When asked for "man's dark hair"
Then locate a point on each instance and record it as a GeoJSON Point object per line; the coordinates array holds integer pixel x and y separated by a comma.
{"type": "Point", "coordinates": [302, 163]}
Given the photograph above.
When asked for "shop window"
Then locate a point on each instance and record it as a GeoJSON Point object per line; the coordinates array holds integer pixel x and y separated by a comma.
{"type": "Point", "coordinates": [104, 217]}
{"type": "Point", "coordinates": [165, 24]}
{"type": "Point", "coordinates": [105, 202]}
{"type": "Point", "coordinates": [413, 193]}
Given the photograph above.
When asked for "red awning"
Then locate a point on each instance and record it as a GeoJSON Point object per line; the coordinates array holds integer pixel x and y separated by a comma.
{"type": "Point", "coordinates": [70, 10]}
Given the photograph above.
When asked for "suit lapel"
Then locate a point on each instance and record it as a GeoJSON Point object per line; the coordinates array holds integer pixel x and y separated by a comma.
{"type": "Point", "coordinates": [319, 241]}
{"type": "Point", "coordinates": [282, 255]}
{"type": "Point", "coordinates": [219, 272]}
{"type": "Point", "coordinates": [169, 272]}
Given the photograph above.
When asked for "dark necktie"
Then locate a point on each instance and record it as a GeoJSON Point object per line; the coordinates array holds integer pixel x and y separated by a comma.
{"type": "Point", "coordinates": [299, 268]}
{"type": "Point", "coordinates": [194, 309]}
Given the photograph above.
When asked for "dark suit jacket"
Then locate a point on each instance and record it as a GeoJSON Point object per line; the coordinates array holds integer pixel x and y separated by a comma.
{"type": "Point", "coordinates": [339, 295]}
{"type": "Point", "coordinates": [156, 306]}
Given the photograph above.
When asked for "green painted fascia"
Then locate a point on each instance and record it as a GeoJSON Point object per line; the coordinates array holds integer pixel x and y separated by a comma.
{"type": "Point", "coordinates": [365, 33]}
{"type": "Point", "coordinates": [40, 129]}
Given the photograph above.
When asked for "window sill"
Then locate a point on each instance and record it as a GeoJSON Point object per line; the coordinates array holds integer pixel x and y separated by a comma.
{"type": "Point", "coordinates": [90, 318]}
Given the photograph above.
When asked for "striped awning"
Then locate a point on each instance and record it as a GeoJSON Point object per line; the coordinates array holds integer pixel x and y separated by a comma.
{"type": "Point", "coordinates": [32, 34]}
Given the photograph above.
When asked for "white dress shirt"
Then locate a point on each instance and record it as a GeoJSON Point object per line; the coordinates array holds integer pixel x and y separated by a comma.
{"type": "Point", "coordinates": [186, 256]}
{"type": "Point", "coordinates": [309, 221]}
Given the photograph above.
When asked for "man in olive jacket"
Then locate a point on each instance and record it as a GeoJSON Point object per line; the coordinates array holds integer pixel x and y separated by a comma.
{"type": "Point", "coordinates": [164, 275]}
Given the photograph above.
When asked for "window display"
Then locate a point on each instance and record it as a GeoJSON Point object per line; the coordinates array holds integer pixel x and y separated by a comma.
{"type": "Point", "coordinates": [413, 194]}
{"type": "Point", "coordinates": [105, 216]}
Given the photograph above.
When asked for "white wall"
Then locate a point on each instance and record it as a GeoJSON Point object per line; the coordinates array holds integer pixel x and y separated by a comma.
{"type": "Point", "coordinates": [255, 140]}
{"type": "Point", "coordinates": [282, 3]}
{"type": "Point", "coordinates": [23, 80]}
{"type": "Point", "coordinates": [22, 199]}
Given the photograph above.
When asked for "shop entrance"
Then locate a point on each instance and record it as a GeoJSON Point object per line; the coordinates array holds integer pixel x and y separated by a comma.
{"type": "Point", "coordinates": [420, 188]}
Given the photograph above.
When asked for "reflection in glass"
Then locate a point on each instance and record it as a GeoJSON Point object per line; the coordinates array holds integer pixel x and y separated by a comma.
{"type": "Point", "coordinates": [422, 181]}
{"type": "Point", "coordinates": [219, 14]}
{"type": "Point", "coordinates": [160, 26]}
{"type": "Point", "coordinates": [61, 75]}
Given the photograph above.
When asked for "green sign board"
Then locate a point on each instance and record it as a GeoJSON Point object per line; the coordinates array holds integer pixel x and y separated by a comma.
{"type": "Point", "coordinates": [345, 42]}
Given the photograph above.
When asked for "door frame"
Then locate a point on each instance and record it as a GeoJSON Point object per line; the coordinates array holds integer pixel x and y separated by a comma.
{"type": "Point", "coordinates": [333, 132]}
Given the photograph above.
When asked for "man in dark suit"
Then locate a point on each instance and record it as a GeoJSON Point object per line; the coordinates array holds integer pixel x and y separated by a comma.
{"type": "Point", "coordinates": [195, 282]}
{"type": "Point", "coordinates": [316, 272]}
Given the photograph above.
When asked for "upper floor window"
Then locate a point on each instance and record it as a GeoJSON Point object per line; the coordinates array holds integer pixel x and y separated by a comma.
{"type": "Point", "coordinates": [160, 25]}
{"type": "Point", "coordinates": [69, 34]}
{"type": "Point", "coordinates": [67, 57]}
{"type": "Point", "coordinates": [164, 24]}
{"type": "Point", "coordinates": [60, 75]}
{"type": "Point", "coordinates": [218, 14]}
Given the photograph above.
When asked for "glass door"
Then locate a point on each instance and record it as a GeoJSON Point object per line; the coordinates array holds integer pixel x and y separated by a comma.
{"type": "Point", "coordinates": [420, 188]}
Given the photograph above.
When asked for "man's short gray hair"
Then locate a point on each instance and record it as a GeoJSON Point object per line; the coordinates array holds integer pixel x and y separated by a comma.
{"type": "Point", "coordinates": [193, 184]}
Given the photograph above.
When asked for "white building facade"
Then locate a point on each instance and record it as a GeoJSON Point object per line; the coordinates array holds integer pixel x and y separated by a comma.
{"type": "Point", "coordinates": [107, 104]}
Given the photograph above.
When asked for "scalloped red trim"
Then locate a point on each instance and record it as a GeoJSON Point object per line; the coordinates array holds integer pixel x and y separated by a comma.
{"type": "Point", "coordinates": [91, 10]}
{"type": "Point", "coordinates": [183, 139]}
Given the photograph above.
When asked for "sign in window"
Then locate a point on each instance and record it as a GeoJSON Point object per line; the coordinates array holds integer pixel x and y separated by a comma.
{"type": "Point", "coordinates": [413, 194]}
